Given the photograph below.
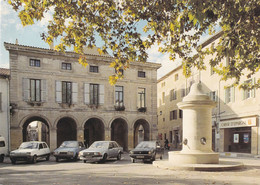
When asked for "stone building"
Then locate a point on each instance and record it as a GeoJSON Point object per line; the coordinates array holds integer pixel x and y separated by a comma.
{"type": "Point", "coordinates": [4, 104]}
{"type": "Point", "coordinates": [78, 103]}
{"type": "Point", "coordinates": [235, 119]}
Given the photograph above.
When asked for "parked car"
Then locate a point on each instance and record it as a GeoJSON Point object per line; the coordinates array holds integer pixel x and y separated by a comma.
{"type": "Point", "coordinates": [31, 151]}
{"type": "Point", "coordinates": [147, 151]}
{"type": "Point", "coordinates": [100, 151]}
{"type": "Point", "coordinates": [3, 149]}
{"type": "Point", "coordinates": [69, 150]}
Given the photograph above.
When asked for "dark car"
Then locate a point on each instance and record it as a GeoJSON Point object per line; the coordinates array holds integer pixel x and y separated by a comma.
{"type": "Point", "coordinates": [69, 150]}
{"type": "Point", "coordinates": [147, 151]}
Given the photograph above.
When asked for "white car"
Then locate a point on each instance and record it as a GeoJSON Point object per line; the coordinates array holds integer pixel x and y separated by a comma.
{"type": "Point", "coordinates": [30, 151]}
{"type": "Point", "coordinates": [3, 149]}
{"type": "Point", "coordinates": [101, 151]}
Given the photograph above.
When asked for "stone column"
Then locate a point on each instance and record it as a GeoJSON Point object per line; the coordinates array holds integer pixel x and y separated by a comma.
{"type": "Point", "coordinates": [197, 129]}
{"type": "Point", "coordinates": [53, 139]}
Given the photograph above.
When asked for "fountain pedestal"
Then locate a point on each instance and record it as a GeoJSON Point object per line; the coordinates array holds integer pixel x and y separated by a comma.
{"type": "Point", "coordinates": [196, 153]}
{"type": "Point", "coordinates": [197, 129]}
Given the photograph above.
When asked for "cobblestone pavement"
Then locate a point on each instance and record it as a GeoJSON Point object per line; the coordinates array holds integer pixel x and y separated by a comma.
{"type": "Point", "coordinates": [121, 172]}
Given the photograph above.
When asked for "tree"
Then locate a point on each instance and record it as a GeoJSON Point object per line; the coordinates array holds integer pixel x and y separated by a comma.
{"type": "Point", "coordinates": [176, 25]}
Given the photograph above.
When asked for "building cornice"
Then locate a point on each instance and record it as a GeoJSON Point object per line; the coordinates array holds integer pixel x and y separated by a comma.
{"type": "Point", "coordinates": [31, 49]}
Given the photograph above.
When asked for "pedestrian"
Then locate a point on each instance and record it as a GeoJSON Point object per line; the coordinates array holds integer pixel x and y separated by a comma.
{"type": "Point", "coordinates": [166, 144]}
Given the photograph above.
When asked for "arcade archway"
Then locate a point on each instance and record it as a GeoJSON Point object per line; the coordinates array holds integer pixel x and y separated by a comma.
{"type": "Point", "coordinates": [119, 133]}
{"type": "Point", "coordinates": [66, 130]}
{"type": "Point", "coordinates": [141, 131]}
{"type": "Point", "coordinates": [93, 131]}
{"type": "Point", "coordinates": [36, 129]}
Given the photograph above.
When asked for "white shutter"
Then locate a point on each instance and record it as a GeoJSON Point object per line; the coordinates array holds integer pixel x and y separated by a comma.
{"type": "Point", "coordinates": [58, 91]}
{"type": "Point", "coordinates": [43, 91]}
{"type": "Point", "coordinates": [253, 90]}
{"type": "Point", "coordinates": [233, 94]}
{"type": "Point", "coordinates": [101, 94]}
{"type": "Point", "coordinates": [86, 93]}
{"type": "Point", "coordinates": [26, 89]}
{"type": "Point", "coordinates": [74, 92]}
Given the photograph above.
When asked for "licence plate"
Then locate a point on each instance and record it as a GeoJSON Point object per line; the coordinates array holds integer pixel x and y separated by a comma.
{"type": "Point", "coordinates": [140, 157]}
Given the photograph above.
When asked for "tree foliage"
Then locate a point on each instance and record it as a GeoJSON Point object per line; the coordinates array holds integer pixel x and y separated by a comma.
{"type": "Point", "coordinates": [176, 25]}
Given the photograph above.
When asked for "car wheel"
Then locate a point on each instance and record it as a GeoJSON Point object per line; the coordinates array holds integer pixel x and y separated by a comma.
{"type": "Point", "coordinates": [48, 157]}
{"type": "Point", "coordinates": [119, 156]}
{"type": "Point", "coordinates": [104, 158]}
{"type": "Point", "coordinates": [75, 158]}
{"type": "Point", "coordinates": [132, 160]}
{"type": "Point", "coordinates": [1, 158]}
{"type": "Point", "coordinates": [84, 161]}
{"type": "Point", "coordinates": [57, 159]}
{"type": "Point", "coordinates": [34, 159]}
{"type": "Point", "coordinates": [13, 161]}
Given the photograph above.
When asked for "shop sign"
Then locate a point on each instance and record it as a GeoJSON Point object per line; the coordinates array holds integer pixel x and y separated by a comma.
{"type": "Point", "coordinates": [246, 138]}
{"type": "Point", "coordinates": [246, 122]}
{"type": "Point", "coordinates": [236, 138]}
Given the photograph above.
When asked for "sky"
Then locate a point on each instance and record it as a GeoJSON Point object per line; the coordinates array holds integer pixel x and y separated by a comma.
{"type": "Point", "coordinates": [12, 29]}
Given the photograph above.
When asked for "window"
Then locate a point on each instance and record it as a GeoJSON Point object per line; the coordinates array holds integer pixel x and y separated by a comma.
{"type": "Point", "coordinates": [141, 74]}
{"type": "Point", "coordinates": [173, 95]}
{"type": "Point", "coordinates": [160, 112]}
{"type": "Point", "coordinates": [35, 63]}
{"type": "Point", "coordinates": [2, 144]}
{"type": "Point", "coordinates": [35, 90]}
{"type": "Point", "coordinates": [0, 101]}
{"type": "Point", "coordinates": [180, 114]}
{"type": "Point", "coordinates": [94, 88]}
{"type": "Point", "coordinates": [213, 96]}
{"type": "Point", "coordinates": [119, 93]}
{"type": "Point", "coordinates": [120, 71]}
{"type": "Point", "coordinates": [163, 119]}
{"type": "Point", "coordinates": [229, 94]}
{"type": "Point", "coordinates": [141, 98]}
{"type": "Point", "coordinates": [170, 133]}
{"type": "Point", "coordinates": [163, 97]}
{"type": "Point", "coordinates": [176, 77]}
{"type": "Point", "coordinates": [173, 115]}
{"type": "Point", "coordinates": [66, 66]}
{"type": "Point", "coordinates": [248, 93]}
{"type": "Point", "coordinates": [66, 92]}
{"type": "Point", "coordinates": [182, 92]}
{"type": "Point", "coordinates": [162, 84]}
{"type": "Point", "coordinates": [93, 69]}
{"type": "Point", "coordinates": [212, 70]}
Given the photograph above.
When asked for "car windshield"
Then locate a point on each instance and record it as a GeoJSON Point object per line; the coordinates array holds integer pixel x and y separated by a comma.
{"type": "Point", "coordinates": [28, 146]}
{"type": "Point", "coordinates": [146, 145]}
{"type": "Point", "coordinates": [69, 144]}
{"type": "Point", "coordinates": [99, 145]}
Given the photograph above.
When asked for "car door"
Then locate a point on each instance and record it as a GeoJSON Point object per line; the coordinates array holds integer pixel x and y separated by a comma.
{"type": "Point", "coordinates": [111, 150]}
{"type": "Point", "coordinates": [41, 150]}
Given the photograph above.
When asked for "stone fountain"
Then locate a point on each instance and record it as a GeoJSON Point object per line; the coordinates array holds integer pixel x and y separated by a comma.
{"type": "Point", "coordinates": [196, 153]}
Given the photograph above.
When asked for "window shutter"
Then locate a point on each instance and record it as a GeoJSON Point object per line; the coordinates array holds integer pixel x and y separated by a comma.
{"type": "Point", "coordinates": [58, 91]}
{"type": "Point", "coordinates": [225, 94]}
{"type": "Point", "coordinates": [233, 94]}
{"type": "Point", "coordinates": [86, 93]}
{"type": "Point", "coordinates": [74, 92]}
{"type": "Point", "coordinates": [101, 94]}
{"type": "Point", "coordinates": [253, 90]}
{"type": "Point", "coordinates": [26, 89]}
{"type": "Point", "coordinates": [43, 91]}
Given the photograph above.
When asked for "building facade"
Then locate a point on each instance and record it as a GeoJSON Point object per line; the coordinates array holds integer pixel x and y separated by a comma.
{"type": "Point", "coordinates": [235, 119]}
{"type": "Point", "coordinates": [78, 103]}
{"type": "Point", "coordinates": [4, 105]}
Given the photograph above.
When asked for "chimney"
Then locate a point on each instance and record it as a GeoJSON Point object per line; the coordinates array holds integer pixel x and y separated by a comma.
{"type": "Point", "coordinates": [51, 45]}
